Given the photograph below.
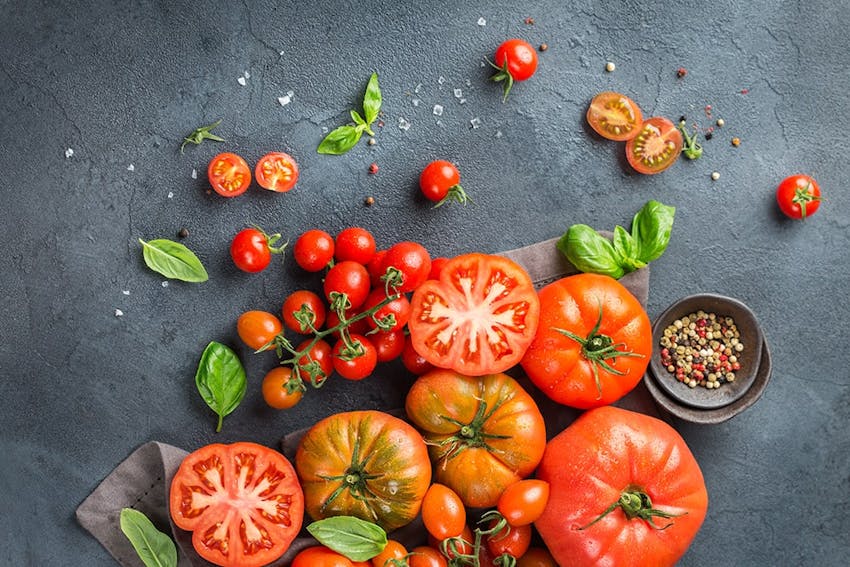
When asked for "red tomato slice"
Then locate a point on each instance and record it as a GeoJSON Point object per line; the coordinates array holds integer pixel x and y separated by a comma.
{"type": "Point", "coordinates": [276, 171]}
{"type": "Point", "coordinates": [478, 318]}
{"type": "Point", "coordinates": [614, 116]}
{"type": "Point", "coordinates": [242, 502]}
{"type": "Point", "coordinates": [656, 146]}
{"type": "Point", "coordinates": [229, 175]}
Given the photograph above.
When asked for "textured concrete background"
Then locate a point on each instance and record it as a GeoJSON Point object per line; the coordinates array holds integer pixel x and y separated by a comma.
{"type": "Point", "coordinates": [121, 83]}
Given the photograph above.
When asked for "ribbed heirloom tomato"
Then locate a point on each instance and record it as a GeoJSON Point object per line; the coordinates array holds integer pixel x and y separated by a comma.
{"type": "Point", "coordinates": [594, 342]}
{"type": "Point", "coordinates": [484, 433]}
{"type": "Point", "coordinates": [242, 503]}
{"type": "Point", "coordinates": [626, 491]}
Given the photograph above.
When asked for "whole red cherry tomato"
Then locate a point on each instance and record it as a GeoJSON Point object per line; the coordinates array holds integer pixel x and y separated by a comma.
{"type": "Point", "coordinates": [513, 541]}
{"type": "Point", "coordinates": [515, 60]}
{"type": "Point", "coordinates": [798, 196]}
{"type": "Point", "coordinates": [424, 556]}
{"type": "Point", "coordinates": [314, 250]}
{"type": "Point", "coordinates": [388, 344]}
{"type": "Point", "coordinates": [412, 260]}
{"type": "Point", "coordinates": [321, 355]}
{"type": "Point", "coordinates": [349, 278]}
{"type": "Point", "coordinates": [320, 556]}
{"type": "Point", "coordinates": [229, 175]}
{"type": "Point", "coordinates": [354, 365]}
{"type": "Point", "coordinates": [440, 182]}
{"type": "Point", "coordinates": [276, 171]}
{"type": "Point", "coordinates": [356, 244]}
{"type": "Point", "coordinates": [252, 249]}
{"type": "Point", "coordinates": [376, 268]}
{"type": "Point", "coordinates": [399, 308]}
{"type": "Point", "coordinates": [306, 300]}
{"type": "Point", "coordinates": [413, 361]}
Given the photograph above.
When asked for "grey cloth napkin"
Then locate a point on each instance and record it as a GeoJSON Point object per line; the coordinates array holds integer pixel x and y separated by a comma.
{"type": "Point", "coordinates": [141, 481]}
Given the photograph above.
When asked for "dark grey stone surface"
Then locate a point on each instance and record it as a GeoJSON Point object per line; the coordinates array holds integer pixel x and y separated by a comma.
{"type": "Point", "coordinates": [121, 83]}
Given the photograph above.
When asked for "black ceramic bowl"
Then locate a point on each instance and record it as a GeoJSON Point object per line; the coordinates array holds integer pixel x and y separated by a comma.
{"type": "Point", "coordinates": [699, 404]}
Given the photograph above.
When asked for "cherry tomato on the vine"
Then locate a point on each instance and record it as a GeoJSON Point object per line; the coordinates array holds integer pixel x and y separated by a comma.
{"type": "Point", "coordinates": [393, 550]}
{"type": "Point", "coordinates": [462, 544]}
{"type": "Point", "coordinates": [515, 60]}
{"type": "Point", "coordinates": [358, 327]}
{"type": "Point", "coordinates": [320, 353]}
{"type": "Point", "coordinates": [229, 175]}
{"type": "Point", "coordinates": [414, 262]}
{"type": "Point", "coordinates": [523, 502]}
{"type": "Point", "coordinates": [356, 244]}
{"type": "Point", "coordinates": [388, 344]}
{"type": "Point", "coordinates": [275, 390]}
{"type": "Point", "coordinates": [514, 541]}
{"type": "Point", "coordinates": [353, 366]}
{"type": "Point", "coordinates": [314, 250]}
{"type": "Point", "coordinates": [413, 361]}
{"type": "Point", "coordinates": [399, 308]}
{"type": "Point", "coordinates": [655, 147]}
{"type": "Point", "coordinates": [349, 278]}
{"type": "Point", "coordinates": [614, 116]}
{"type": "Point", "coordinates": [443, 512]}
{"type": "Point", "coordinates": [424, 556]}
{"type": "Point", "coordinates": [303, 299]}
{"type": "Point", "coordinates": [375, 268]}
{"type": "Point", "coordinates": [536, 557]}
{"type": "Point", "coordinates": [276, 171]}
{"type": "Point", "coordinates": [798, 196]}
{"type": "Point", "coordinates": [440, 182]}
{"type": "Point", "coordinates": [258, 328]}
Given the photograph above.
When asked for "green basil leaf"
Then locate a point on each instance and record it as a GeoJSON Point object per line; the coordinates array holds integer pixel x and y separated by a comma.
{"type": "Point", "coordinates": [155, 549]}
{"type": "Point", "coordinates": [340, 140]}
{"type": "Point", "coordinates": [589, 251]}
{"type": "Point", "coordinates": [651, 229]}
{"type": "Point", "coordinates": [372, 99]}
{"type": "Point", "coordinates": [357, 539]}
{"type": "Point", "coordinates": [173, 260]}
{"type": "Point", "coordinates": [624, 245]}
{"type": "Point", "coordinates": [357, 118]}
{"type": "Point", "coordinates": [221, 380]}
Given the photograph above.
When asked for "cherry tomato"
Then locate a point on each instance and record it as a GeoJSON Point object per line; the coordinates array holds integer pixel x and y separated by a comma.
{"type": "Point", "coordinates": [614, 116]}
{"type": "Point", "coordinates": [258, 328]}
{"type": "Point", "coordinates": [442, 512]}
{"type": "Point", "coordinates": [523, 502]}
{"type": "Point", "coordinates": [320, 556]}
{"type": "Point", "coordinates": [514, 541]}
{"type": "Point", "coordinates": [440, 182]}
{"type": "Point", "coordinates": [536, 557]}
{"type": "Point", "coordinates": [275, 390]}
{"type": "Point", "coordinates": [798, 196]}
{"type": "Point", "coordinates": [359, 327]}
{"type": "Point", "coordinates": [393, 550]}
{"type": "Point", "coordinates": [250, 250]}
{"type": "Point", "coordinates": [515, 60]}
{"type": "Point", "coordinates": [356, 367]}
{"type": "Point", "coordinates": [414, 262]}
{"type": "Point", "coordinates": [388, 344]}
{"type": "Point", "coordinates": [229, 175]}
{"type": "Point", "coordinates": [355, 244]}
{"type": "Point", "coordinates": [349, 278]}
{"type": "Point", "coordinates": [321, 354]}
{"type": "Point", "coordinates": [424, 556]}
{"type": "Point", "coordinates": [461, 544]}
{"type": "Point", "coordinates": [398, 308]}
{"type": "Point", "coordinates": [303, 299]}
{"type": "Point", "coordinates": [313, 250]}
{"type": "Point", "coordinates": [656, 146]}
{"type": "Point", "coordinates": [413, 361]}
{"type": "Point", "coordinates": [436, 267]}
{"type": "Point", "coordinates": [276, 171]}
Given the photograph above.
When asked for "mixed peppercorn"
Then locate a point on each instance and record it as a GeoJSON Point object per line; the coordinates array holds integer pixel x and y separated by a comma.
{"type": "Point", "coordinates": [702, 349]}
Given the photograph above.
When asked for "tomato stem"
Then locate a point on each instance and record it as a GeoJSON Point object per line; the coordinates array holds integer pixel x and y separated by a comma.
{"type": "Point", "coordinates": [692, 148]}
{"type": "Point", "coordinates": [636, 503]}
{"type": "Point", "coordinates": [804, 196]}
{"type": "Point", "coordinates": [455, 193]}
{"type": "Point", "coordinates": [502, 74]}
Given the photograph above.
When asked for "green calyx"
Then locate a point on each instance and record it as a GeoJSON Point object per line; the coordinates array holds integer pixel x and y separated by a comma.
{"type": "Point", "coordinates": [803, 196]}
{"type": "Point", "coordinates": [472, 434]}
{"type": "Point", "coordinates": [636, 504]}
{"type": "Point", "coordinates": [355, 479]}
{"type": "Point", "coordinates": [456, 194]}
{"type": "Point", "coordinates": [502, 74]}
{"type": "Point", "coordinates": [692, 148]}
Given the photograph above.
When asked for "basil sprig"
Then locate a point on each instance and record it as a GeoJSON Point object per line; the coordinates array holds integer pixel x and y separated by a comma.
{"type": "Point", "coordinates": [173, 260]}
{"type": "Point", "coordinates": [591, 252]}
{"type": "Point", "coordinates": [221, 380]}
{"type": "Point", "coordinates": [154, 548]}
{"type": "Point", "coordinates": [357, 539]}
{"type": "Point", "coordinates": [346, 137]}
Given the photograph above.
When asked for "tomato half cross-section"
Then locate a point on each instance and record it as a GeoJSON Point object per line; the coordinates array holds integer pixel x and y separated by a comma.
{"type": "Point", "coordinates": [242, 503]}
{"type": "Point", "coordinates": [655, 147]}
{"type": "Point", "coordinates": [229, 175]}
{"type": "Point", "coordinates": [277, 172]}
{"type": "Point", "coordinates": [614, 116]}
{"type": "Point", "coordinates": [478, 318]}
{"type": "Point", "coordinates": [625, 491]}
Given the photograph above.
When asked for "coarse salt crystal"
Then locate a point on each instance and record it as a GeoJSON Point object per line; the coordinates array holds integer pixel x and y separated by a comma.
{"type": "Point", "coordinates": [475, 122]}
{"type": "Point", "coordinates": [468, 83]}
{"type": "Point", "coordinates": [418, 88]}
{"type": "Point", "coordinates": [242, 81]}
{"type": "Point", "coordinates": [170, 194]}
{"type": "Point", "coordinates": [119, 313]}
{"type": "Point", "coordinates": [462, 101]}
{"type": "Point", "coordinates": [131, 167]}
{"type": "Point", "coordinates": [499, 133]}
{"type": "Point", "coordinates": [441, 79]}
{"type": "Point", "coordinates": [482, 22]}
{"type": "Point", "coordinates": [68, 153]}
{"type": "Point", "coordinates": [194, 174]}
{"type": "Point", "coordinates": [324, 129]}
{"type": "Point", "coordinates": [415, 102]}
{"type": "Point", "coordinates": [458, 93]}
{"type": "Point", "coordinates": [125, 291]}
{"type": "Point", "coordinates": [438, 110]}
{"type": "Point", "coordinates": [284, 100]}
{"type": "Point", "coordinates": [165, 283]}
{"type": "Point", "coordinates": [247, 75]}
{"type": "Point", "coordinates": [403, 124]}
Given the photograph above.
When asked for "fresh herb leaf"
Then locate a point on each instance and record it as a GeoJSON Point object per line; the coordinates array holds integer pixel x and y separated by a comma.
{"type": "Point", "coordinates": [221, 380]}
{"type": "Point", "coordinates": [354, 538]}
{"type": "Point", "coordinates": [200, 134]}
{"type": "Point", "coordinates": [651, 229]}
{"type": "Point", "coordinates": [173, 260]}
{"type": "Point", "coordinates": [155, 549]}
{"type": "Point", "coordinates": [357, 118]}
{"type": "Point", "coordinates": [589, 251]}
{"type": "Point", "coordinates": [340, 140]}
{"type": "Point", "coordinates": [626, 249]}
{"type": "Point", "coordinates": [372, 99]}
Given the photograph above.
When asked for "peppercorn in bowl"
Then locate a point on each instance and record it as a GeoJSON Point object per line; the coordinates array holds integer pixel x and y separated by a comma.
{"type": "Point", "coordinates": [710, 360]}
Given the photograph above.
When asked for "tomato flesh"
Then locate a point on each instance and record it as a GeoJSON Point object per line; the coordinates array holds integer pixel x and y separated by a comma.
{"type": "Point", "coordinates": [276, 171]}
{"type": "Point", "coordinates": [656, 146]}
{"type": "Point", "coordinates": [478, 318]}
{"type": "Point", "coordinates": [614, 116]}
{"type": "Point", "coordinates": [229, 175]}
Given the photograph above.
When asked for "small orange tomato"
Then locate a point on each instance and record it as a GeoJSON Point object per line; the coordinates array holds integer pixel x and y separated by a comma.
{"type": "Point", "coordinates": [442, 512]}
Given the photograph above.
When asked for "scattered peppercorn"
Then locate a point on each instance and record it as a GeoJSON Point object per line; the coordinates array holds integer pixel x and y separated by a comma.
{"type": "Point", "coordinates": [744, 91]}
{"type": "Point", "coordinates": [369, 201]}
{"type": "Point", "coordinates": [681, 72]}
{"type": "Point", "coordinates": [702, 349]}
{"type": "Point", "coordinates": [183, 233]}
{"type": "Point", "coordinates": [529, 21]}
{"type": "Point", "coordinates": [715, 176]}
{"type": "Point", "coordinates": [373, 169]}
{"type": "Point", "coordinates": [708, 135]}
{"type": "Point", "coordinates": [736, 141]}
{"type": "Point", "coordinates": [380, 123]}
{"type": "Point", "coordinates": [610, 67]}
{"type": "Point", "coordinates": [720, 123]}
{"type": "Point", "coordinates": [372, 142]}
{"type": "Point", "coordinates": [543, 47]}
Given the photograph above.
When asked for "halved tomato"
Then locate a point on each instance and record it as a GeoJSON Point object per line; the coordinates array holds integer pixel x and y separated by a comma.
{"type": "Point", "coordinates": [242, 502]}
{"type": "Point", "coordinates": [656, 146]}
{"type": "Point", "coordinates": [614, 116]}
{"type": "Point", "coordinates": [276, 171]}
{"type": "Point", "coordinates": [229, 175]}
{"type": "Point", "coordinates": [478, 318]}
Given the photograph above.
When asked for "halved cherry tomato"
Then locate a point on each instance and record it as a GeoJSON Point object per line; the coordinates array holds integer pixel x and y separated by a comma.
{"type": "Point", "coordinates": [656, 146]}
{"type": "Point", "coordinates": [320, 556]}
{"type": "Point", "coordinates": [523, 502]}
{"type": "Point", "coordinates": [258, 328]}
{"type": "Point", "coordinates": [303, 299]}
{"type": "Point", "coordinates": [798, 196]}
{"type": "Point", "coordinates": [442, 512]}
{"type": "Point", "coordinates": [321, 354]}
{"type": "Point", "coordinates": [275, 390]}
{"type": "Point", "coordinates": [461, 544]}
{"type": "Point", "coordinates": [313, 250]}
{"type": "Point", "coordinates": [424, 556]}
{"type": "Point", "coordinates": [478, 318]}
{"type": "Point", "coordinates": [349, 278]}
{"type": "Point", "coordinates": [276, 171]}
{"type": "Point", "coordinates": [355, 244]}
{"type": "Point", "coordinates": [229, 175]}
{"type": "Point", "coordinates": [355, 366]}
{"type": "Point", "coordinates": [393, 550]}
{"type": "Point", "coordinates": [614, 116]}
{"type": "Point", "coordinates": [242, 502]}
{"type": "Point", "coordinates": [513, 541]}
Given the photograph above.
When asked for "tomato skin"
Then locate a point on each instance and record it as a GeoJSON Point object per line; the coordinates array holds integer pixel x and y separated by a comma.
{"type": "Point", "coordinates": [398, 307]}
{"type": "Point", "coordinates": [614, 116]}
{"type": "Point", "coordinates": [294, 301]}
{"type": "Point", "coordinates": [424, 556]}
{"type": "Point", "coordinates": [798, 196]}
{"type": "Point", "coordinates": [464, 547]}
{"type": "Point", "coordinates": [520, 57]}
{"type": "Point", "coordinates": [258, 328]}
{"type": "Point", "coordinates": [625, 451]}
{"type": "Point", "coordinates": [274, 389]}
{"type": "Point", "coordinates": [536, 557]}
{"type": "Point", "coordinates": [412, 259]}
{"type": "Point", "coordinates": [461, 301]}
{"type": "Point", "coordinates": [217, 472]}
{"type": "Point", "coordinates": [276, 171]}
{"type": "Point", "coordinates": [375, 267]}
{"type": "Point", "coordinates": [388, 344]}
{"type": "Point", "coordinates": [320, 556]}
{"type": "Point", "coordinates": [457, 413]}
{"type": "Point", "coordinates": [523, 502]}
{"type": "Point", "coordinates": [556, 363]}
{"type": "Point", "coordinates": [393, 550]}
{"type": "Point", "coordinates": [313, 250]}
{"type": "Point", "coordinates": [349, 278]}
{"type": "Point", "coordinates": [229, 175]}
{"type": "Point", "coordinates": [355, 244]}
{"type": "Point", "coordinates": [440, 182]}
{"type": "Point", "coordinates": [344, 450]}
{"type": "Point", "coordinates": [437, 265]}
{"type": "Point", "coordinates": [321, 353]}
{"type": "Point", "coordinates": [358, 367]}
{"type": "Point", "coordinates": [442, 512]}
{"type": "Point", "coordinates": [514, 542]}
{"type": "Point", "coordinates": [414, 362]}
{"type": "Point", "coordinates": [250, 250]}
{"type": "Point", "coordinates": [655, 147]}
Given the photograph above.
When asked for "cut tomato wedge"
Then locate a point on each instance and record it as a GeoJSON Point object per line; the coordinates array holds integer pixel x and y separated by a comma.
{"type": "Point", "coordinates": [614, 116]}
{"type": "Point", "coordinates": [276, 171]}
{"type": "Point", "coordinates": [242, 502]}
{"type": "Point", "coordinates": [478, 318]}
{"type": "Point", "coordinates": [656, 147]}
{"type": "Point", "coordinates": [229, 175]}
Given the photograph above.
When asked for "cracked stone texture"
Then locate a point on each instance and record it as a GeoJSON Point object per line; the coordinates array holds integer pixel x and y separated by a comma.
{"type": "Point", "coordinates": [121, 83]}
